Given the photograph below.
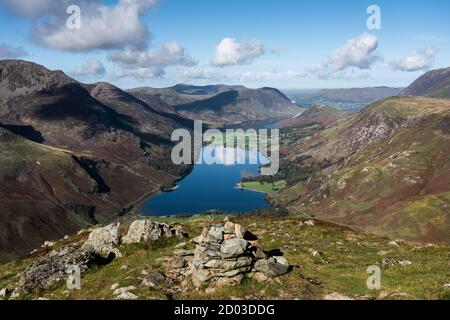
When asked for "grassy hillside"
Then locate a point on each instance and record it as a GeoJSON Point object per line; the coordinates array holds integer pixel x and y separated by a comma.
{"type": "Point", "coordinates": [385, 169]}
{"type": "Point", "coordinates": [325, 258]}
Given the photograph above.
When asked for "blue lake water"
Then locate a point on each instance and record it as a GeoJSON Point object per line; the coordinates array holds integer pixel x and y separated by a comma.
{"type": "Point", "coordinates": [211, 187]}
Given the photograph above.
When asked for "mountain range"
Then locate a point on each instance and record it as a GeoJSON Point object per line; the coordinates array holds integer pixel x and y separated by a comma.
{"type": "Point", "coordinates": [222, 105]}
{"type": "Point", "coordinates": [73, 154]}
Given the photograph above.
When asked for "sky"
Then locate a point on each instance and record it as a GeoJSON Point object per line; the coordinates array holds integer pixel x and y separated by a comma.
{"type": "Point", "coordinates": [288, 44]}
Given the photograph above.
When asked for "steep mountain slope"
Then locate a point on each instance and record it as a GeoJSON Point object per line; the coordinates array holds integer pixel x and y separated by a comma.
{"type": "Point", "coordinates": [223, 105]}
{"type": "Point", "coordinates": [352, 99]}
{"type": "Point", "coordinates": [77, 149]}
{"type": "Point", "coordinates": [385, 169]}
{"type": "Point", "coordinates": [434, 84]}
{"type": "Point", "coordinates": [319, 114]}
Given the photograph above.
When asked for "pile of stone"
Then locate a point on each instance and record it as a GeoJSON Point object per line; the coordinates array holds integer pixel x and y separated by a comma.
{"type": "Point", "coordinates": [224, 254]}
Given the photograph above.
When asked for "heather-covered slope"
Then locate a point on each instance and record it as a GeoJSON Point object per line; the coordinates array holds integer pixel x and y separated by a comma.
{"type": "Point", "coordinates": [385, 169]}
{"type": "Point", "coordinates": [319, 114]}
{"type": "Point", "coordinates": [84, 149]}
{"type": "Point", "coordinates": [433, 84]}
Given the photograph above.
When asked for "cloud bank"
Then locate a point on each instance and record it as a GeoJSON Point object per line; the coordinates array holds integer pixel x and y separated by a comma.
{"type": "Point", "coordinates": [10, 52]}
{"type": "Point", "coordinates": [416, 61]}
{"type": "Point", "coordinates": [230, 52]}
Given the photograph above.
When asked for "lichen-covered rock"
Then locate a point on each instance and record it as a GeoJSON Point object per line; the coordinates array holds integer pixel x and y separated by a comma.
{"type": "Point", "coordinates": [153, 279]}
{"type": "Point", "coordinates": [50, 270]}
{"type": "Point", "coordinates": [141, 231]}
{"type": "Point", "coordinates": [271, 268]}
{"type": "Point", "coordinates": [233, 248]}
{"type": "Point", "coordinates": [104, 241]}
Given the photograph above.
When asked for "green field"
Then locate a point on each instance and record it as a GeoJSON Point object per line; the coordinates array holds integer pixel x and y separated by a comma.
{"type": "Point", "coordinates": [263, 186]}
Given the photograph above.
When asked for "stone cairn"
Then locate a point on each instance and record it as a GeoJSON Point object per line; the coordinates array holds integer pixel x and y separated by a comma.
{"type": "Point", "coordinates": [224, 254]}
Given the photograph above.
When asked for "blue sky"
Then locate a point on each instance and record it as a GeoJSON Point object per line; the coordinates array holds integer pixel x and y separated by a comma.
{"type": "Point", "coordinates": [279, 43]}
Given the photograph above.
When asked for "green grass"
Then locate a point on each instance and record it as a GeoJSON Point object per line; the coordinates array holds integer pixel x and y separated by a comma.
{"type": "Point", "coordinates": [264, 187]}
{"type": "Point", "coordinates": [340, 267]}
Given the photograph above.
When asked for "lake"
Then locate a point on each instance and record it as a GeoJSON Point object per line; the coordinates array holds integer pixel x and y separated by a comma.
{"type": "Point", "coordinates": [211, 187]}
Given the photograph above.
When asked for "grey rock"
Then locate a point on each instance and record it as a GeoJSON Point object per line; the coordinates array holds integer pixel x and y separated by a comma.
{"type": "Point", "coordinates": [3, 293]}
{"type": "Point", "coordinates": [103, 241]}
{"type": "Point", "coordinates": [215, 235]}
{"type": "Point", "coordinates": [229, 265]}
{"type": "Point", "coordinates": [271, 268]}
{"type": "Point", "coordinates": [233, 248]}
{"type": "Point", "coordinates": [123, 290]}
{"type": "Point", "coordinates": [183, 253]}
{"type": "Point", "coordinates": [234, 272]}
{"type": "Point", "coordinates": [240, 231]}
{"type": "Point", "coordinates": [153, 279]}
{"type": "Point", "coordinates": [127, 296]}
{"type": "Point", "coordinates": [44, 273]}
{"type": "Point", "coordinates": [142, 231]}
{"type": "Point", "coordinates": [181, 245]}
{"type": "Point", "coordinates": [259, 254]}
{"type": "Point", "coordinates": [115, 286]}
{"type": "Point", "coordinates": [282, 260]}
{"type": "Point", "coordinates": [179, 264]}
{"type": "Point", "coordinates": [232, 281]}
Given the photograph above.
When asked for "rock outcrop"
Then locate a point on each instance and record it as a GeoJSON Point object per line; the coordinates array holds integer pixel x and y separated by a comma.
{"type": "Point", "coordinates": [101, 247]}
{"type": "Point", "coordinates": [104, 241]}
{"type": "Point", "coordinates": [50, 270]}
{"type": "Point", "coordinates": [146, 230]}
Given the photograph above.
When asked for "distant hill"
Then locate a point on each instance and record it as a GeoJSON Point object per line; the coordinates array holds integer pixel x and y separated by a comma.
{"type": "Point", "coordinates": [182, 93]}
{"type": "Point", "coordinates": [344, 99]}
{"type": "Point", "coordinates": [222, 104]}
{"type": "Point", "coordinates": [319, 114]}
{"type": "Point", "coordinates": [434, 84]}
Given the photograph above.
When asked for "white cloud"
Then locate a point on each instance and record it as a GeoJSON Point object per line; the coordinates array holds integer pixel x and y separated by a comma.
{"type": "Point", "coordinates": [10, 52]}
{"type": "Point", "coordinates": [416, 61]}
{"type": "Point", "coordinates": [145, 64]}
{"type": "Point", "coordinates": [34, 8]}
{"type": "Point", "coordinates": [139, 73]}
{"type": "Point", "coordinates": [358, 52]}
{"type": "Point", "coordinates": [169, 54]}
{"type": "Point", "coordinates": [90, 68]}
{"type": "Point", "coordinates": [268, 76]}
{"type": "Point", "coordinates": [102, 27]}
{"type": "Point", "coordinates": [231, 52]}
{"type": "Point", "coordinates": [203, 74]}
